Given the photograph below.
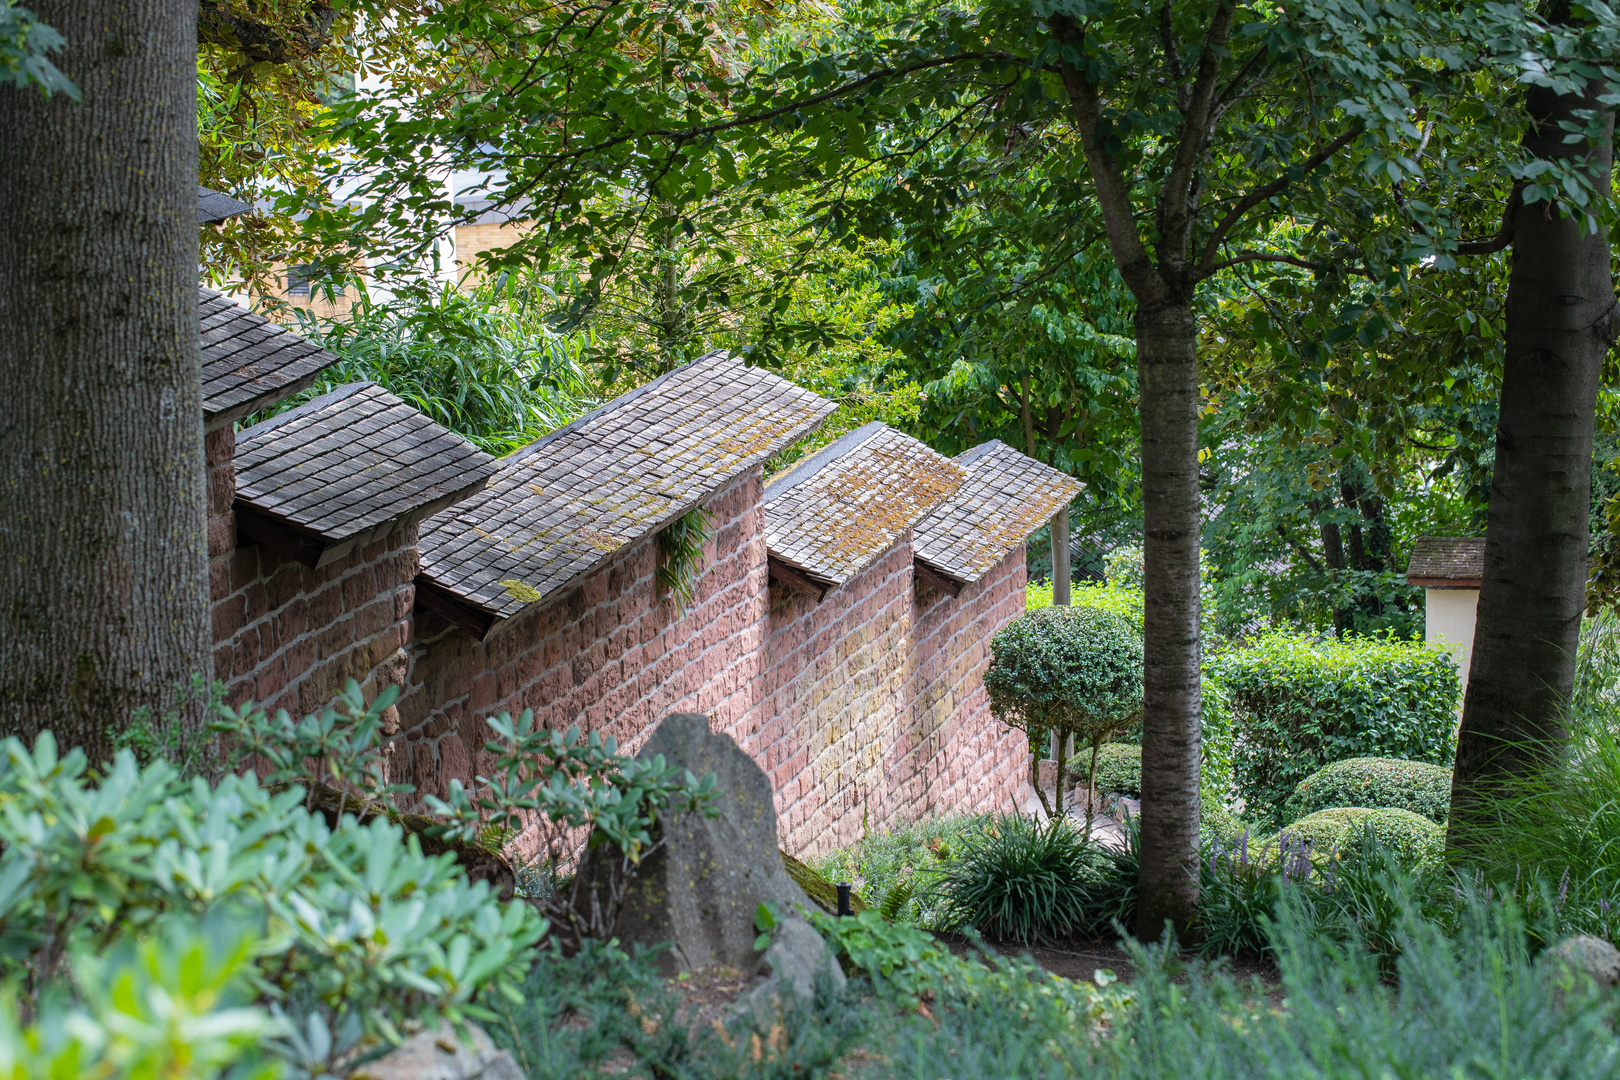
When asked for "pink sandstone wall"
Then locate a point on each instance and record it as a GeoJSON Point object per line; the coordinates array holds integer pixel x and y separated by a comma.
{"type": "Point", "coordinates": [956, 758]}
{"type": "Point", "coordinates": [289, 637]}
{"type": "Point", "coordinates": [610, 656]}
{"type": "Point", "coordinates": [867, 710]}
{"type": "Point", "coordinates": [877, 714]}
{"type": "Point", "coordinates": [838, 672]}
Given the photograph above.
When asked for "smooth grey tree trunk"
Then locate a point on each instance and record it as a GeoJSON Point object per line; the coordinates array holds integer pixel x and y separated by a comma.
{"type": "Point", "coordinates": [103, 554]}
{"type": "Point", "coordinates": [1167, 373]}
{"type": "Point", "coordinates": [1561, 322]}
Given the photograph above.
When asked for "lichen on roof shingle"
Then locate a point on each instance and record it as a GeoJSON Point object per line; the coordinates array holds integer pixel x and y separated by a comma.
{"type": "Point", "coordinates": [249, 363]}
{"type": "Point", "coordinates": [351, 461]}
{"type": "Point", "coordinates": [565, 503]}
{"type": "Point", "coordinates": [1007, 496]}
{"type": "Point", "coordinates": [837, 511]}
{"type": "Point", "coordinates": [1447, 558]}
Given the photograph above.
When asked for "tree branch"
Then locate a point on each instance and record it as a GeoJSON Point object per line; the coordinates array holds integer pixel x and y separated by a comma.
{"type": "Point", "coordinates": [1113, 192]}
{"type": "Point", "coordinates": [1206, 265]}
{"type": "Point", "coordinates": [1167, 35]}
{"type": "Point", "coordinates": [1175, 201]}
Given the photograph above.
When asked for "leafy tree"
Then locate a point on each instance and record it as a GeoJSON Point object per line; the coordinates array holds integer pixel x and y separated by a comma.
{"type": "Point", "coordinates": [102, 547]}
{"type": "Point", "coordinates": [1059, 672]}
{"type": "Point", "coordinates": [1562, 321]}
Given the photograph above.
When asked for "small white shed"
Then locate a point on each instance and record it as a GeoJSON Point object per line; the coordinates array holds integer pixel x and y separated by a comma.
{"type": "Point", "coordinates": [1449, 568]}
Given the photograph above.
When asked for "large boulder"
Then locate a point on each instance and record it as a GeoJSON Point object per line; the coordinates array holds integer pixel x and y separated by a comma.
{"type": "Point", "coordinates": [700, 891]}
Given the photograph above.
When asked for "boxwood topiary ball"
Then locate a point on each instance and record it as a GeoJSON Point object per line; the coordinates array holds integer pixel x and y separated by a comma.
{"type": "Point", "coordinates": [1119, 768]}
{"type": "Point", "coordinates": [1418, 842]}
{"type": "Point", "coordinates": [1374, 783]}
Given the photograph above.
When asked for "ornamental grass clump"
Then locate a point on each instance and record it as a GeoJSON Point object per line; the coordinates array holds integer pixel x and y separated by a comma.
{"type": "Point", "coordinates": [1066, 671]}
{"type": "Point", "coordinates": [1022, 880]}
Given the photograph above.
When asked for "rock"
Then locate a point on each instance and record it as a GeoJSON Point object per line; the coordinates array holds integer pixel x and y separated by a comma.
{"type": "Point", "coordinates": [700, 891]}
{"type": "Point", "coordinates": [796, 958]}
{"type": "Point", "coordinates": [1589, 956]}
{"type": "Point", "coordinates": [442, 1055]}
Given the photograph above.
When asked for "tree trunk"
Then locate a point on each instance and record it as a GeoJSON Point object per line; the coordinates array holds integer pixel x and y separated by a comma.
{"type": "Point", "coordinates": [103, 553]}
{"type": "Point", "coordinates": [1167, 371]}
{"type": "Point", "coordinates": [1561, 321]}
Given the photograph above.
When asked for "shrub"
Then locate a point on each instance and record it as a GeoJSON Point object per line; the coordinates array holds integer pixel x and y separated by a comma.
{"type": "Point", "coordinates": [1022, 880]}
{"type": "Point", "coordinates": [1119, 768]}
{"type": "Point", "coordinates": [1374, 783]}
{"type": "Point", "coordinates": [1066, 671]}
{"type": "Point", "coordinates": [1300, 704]}
{"type": "Point", "coordinates": [361, 931]}
{"type": "Point", "coordinates": [1416, 841]}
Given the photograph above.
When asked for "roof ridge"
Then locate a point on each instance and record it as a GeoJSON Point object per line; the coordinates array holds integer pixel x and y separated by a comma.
{"type": "Point", "coordinates": [811, 466]}
{"type": "Point", "coordinates": [969, 456]}
{"type": "Point", "coordinates": [601, 410]}
{"type": "Point", "coordinates": [313, 405]}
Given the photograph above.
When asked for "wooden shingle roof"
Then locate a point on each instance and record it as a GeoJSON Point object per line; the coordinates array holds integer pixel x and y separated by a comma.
{"type": "Point", "coordinates": [348, 468]}
{"type": "Point", "coordinates": [1441, 561]}
{"type": "Point", "coordinates": [834, 513]}
{"type": "Point", "coordinates": [1007, 496]}
{"type": "Point", "coordinates": [250, 363]}
{"type": "Point", "coordinates": [564, 504]}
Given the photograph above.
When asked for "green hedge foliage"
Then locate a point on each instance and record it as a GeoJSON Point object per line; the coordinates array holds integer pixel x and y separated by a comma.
{"type": "Point", "coordinates": [1416, 841]}
{"type": "Point", "coordinates": [1300, 704]}
{"type": "Point", "coordinates": [1374, 783]}
{"type": "Point", "coordinates": [1119, 768]}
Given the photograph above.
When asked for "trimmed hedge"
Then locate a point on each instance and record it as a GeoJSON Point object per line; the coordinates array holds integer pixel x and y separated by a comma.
{"type": "Point", "coordinates": [1374, 783]}
{"type": "Point", "coordinates": [1119, 768]}
{"type": "Point", "coordinates": [1418, 842]}
{"type": "Point", "coordinates": [1300, 704]}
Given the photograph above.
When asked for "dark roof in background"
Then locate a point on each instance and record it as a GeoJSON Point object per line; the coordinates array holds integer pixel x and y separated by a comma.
{"type": "Point", "coordinates": [837, 511]}
{"type": "Point", "coordinates": [1007, 496]}
{"type": "Point", "coordinates": [250, 363]}
{"type": "Point", "coordinates": [1457, 559]}
{"type": "Point", "coordinates": [347, 468]}
{"type": "Point", "coordinates": [569, 501]}
{"type": "Point", "coordinates": [214, 207]}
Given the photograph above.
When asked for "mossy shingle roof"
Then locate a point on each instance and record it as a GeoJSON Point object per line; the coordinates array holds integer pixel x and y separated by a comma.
{"type": "Point", "coordinates": [1459, 559]}
{"type": "Point", "coordinates": [1006, 496]}
{"type": "Point", "coordinates": [346, 468]}
{"type": "Point", "coordinates": [564, 504]}
{"type": "Point", "coordinates": [838, 510]}
{"type": "Point", "coordinates": [250, 363]}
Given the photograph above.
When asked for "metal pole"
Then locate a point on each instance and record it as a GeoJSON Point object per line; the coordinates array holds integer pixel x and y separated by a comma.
{"type": "Point", "coordinates": [1060, 581]}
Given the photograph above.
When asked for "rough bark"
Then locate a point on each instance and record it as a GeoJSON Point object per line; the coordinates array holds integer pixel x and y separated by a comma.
{"type": "Point", "coordinates": [103, 560]}
{"type": "Point", "coordinates": [1167, 370]}
{"type": "Point", "coordinates": [1561, 321]}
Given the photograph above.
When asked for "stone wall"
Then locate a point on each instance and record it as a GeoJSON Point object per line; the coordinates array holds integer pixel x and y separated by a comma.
{"type": "Point", "coordinates": [838, 674]}
{"type": "Point", "coordinates": [611, 655]}
{"type": "Point", "coordinates": [287, 636]}
{"type": "Point", "coordinates": [956, 758]}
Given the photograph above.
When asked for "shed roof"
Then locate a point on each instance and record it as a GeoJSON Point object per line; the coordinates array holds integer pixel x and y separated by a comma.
{"type": "Point", "coordinates": [1007, 496]}
{"type": "Point", "coordinates": [838, 510]}
{"type": "Point", "coordinates": [347, 468]}
{"type": "Point", "coordinates": [1458, 561]}
{"type": "Point", "coordinates": [567, 502]}
{"type": "Point", "coordinates": [214, 207]}
{"type": "Point", "coordinates": [250, 363]}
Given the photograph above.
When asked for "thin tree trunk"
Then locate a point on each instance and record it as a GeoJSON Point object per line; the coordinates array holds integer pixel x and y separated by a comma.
{"type": "Point", "coordinates": [1561, 321]}
{"type": "Point", "coordinates": [1167, 371]}
{"type": "Point", "coordinates": [103, 553]}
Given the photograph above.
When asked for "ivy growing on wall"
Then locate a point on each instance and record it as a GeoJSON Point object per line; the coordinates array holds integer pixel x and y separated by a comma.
{"type": "Point", "coordinates": [680, 555]}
